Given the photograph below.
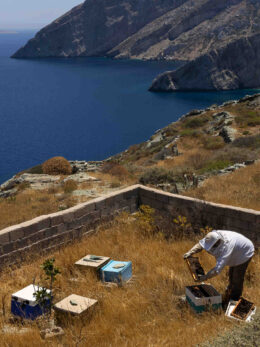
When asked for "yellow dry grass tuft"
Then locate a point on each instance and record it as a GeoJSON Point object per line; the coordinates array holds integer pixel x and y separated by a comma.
{"type": "Point", "coordinates": [240, 188]}
{"type": "Point", "coordinates": [145, 313]}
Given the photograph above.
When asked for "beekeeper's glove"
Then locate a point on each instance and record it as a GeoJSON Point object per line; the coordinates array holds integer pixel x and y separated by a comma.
{"type": "Point", "coordinates": [196, 249]}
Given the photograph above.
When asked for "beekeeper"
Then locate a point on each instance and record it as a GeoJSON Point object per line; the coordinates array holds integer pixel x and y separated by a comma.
{"type": "Point", "coordinates": [230, 249]}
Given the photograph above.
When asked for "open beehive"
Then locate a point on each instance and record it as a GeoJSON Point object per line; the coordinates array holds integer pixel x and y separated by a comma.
{"type": "Point", "coordinates": [203, 297]}
{"type": "Point", "coordinates": [195, 268]}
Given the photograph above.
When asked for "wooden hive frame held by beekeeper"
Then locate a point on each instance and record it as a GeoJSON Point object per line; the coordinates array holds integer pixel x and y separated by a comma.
{"type": "Point", "coordinates": [195, 267]}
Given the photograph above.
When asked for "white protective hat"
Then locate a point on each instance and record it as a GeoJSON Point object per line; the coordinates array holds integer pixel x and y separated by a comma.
{"type": "Point", "coordinates": [209, 240]}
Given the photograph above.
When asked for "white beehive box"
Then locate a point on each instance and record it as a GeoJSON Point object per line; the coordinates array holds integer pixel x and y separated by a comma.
{"type": "Point", "coordinates": [209, 298]}
{"type": "Point", "coordinates": [75, 305]}
{"type": "Point", "coordinates": [230, 308]}
{"type": "Point", "coordinates": [24, 304]}
{"type": "Point", "coordinates": [92, 262]}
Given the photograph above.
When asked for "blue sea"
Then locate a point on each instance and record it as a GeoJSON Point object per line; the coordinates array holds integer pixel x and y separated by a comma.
{"type": "Point", "coordinates": [82, 108]}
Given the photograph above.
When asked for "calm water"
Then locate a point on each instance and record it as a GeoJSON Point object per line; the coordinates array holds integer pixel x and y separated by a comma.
{"type": "Point", "coordinates": [83, 108]}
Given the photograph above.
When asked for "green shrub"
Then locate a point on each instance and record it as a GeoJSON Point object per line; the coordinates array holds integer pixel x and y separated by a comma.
{"type": "Point", "coordinates": [252, 142]}
{"type": "Point", "coordinates": [213, 142]}
{"type": "Point", "coordinates": [56, 166]}
{"type": "Point", "coordinates": [115, 184]}
{"type": "Point", "coordinates": [253, 121]}
{"type": "Point", "coordinates": [251, 118]}
{"type": "Point", "coordinates": [190, 132]}
{"type": "Point", "coordinates": [215, 166]}
{"type": "Point", "coordinates": [35, 170]}
{"type": "Point", "coordinates": [115, 169]}
{"type": "Point", "coordinates": [246, 132]}
{"type": "Point", "coordinates": [69, 186]}
{"type": "Point", "coordinates": [157, 176]}
{"type": "Point", "coordinates": [23, 186]}
{"type": "Point", "coordinates": [245, 335]}
{"type": "Point", "coordinates": [195, 122]}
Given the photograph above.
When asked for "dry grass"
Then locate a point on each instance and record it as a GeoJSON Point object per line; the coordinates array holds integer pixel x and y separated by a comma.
{"type": "Point", "coordinates": [146, 313]}
{"type": "Point", "coordinates": [241, 188]}
{"type": "Point", "coordinates": [29, 204]}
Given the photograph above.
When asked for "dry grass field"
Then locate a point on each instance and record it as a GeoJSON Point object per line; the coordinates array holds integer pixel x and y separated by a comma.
{"type": "Point", "coordinates": [240, 188]}
{"type": "Point", "coordinates": [145, 313]}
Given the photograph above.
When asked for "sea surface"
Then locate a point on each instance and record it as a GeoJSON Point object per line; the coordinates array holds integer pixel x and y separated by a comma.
{"type": "Point", "coordinates": [82, 108]}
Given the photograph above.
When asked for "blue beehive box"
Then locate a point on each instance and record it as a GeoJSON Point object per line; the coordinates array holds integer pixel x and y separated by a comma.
{"type": "Point", "coordinates": [24, 304]}
{"type": "Point", "coordinates": [116, 271]}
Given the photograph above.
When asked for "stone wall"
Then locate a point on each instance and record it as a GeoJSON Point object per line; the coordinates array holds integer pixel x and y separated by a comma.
{"type": "Point", "coordinates": [202, 213]}
{"type": "Point", "coordinates": [46, 233]}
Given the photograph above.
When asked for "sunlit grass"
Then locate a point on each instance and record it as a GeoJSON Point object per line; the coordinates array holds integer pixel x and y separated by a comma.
{"type": "Point", "coordinates": [145, 313]}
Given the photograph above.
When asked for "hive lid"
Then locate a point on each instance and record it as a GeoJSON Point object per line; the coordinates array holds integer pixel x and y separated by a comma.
{"type": "Point", "coordinates": [94, 261]}
{"type": "Point", "coordinates": [75, 304]}
{"type": "Point", "coordinates": [116, 266]}
{"type": "Point", "coordinates": [26, 294]}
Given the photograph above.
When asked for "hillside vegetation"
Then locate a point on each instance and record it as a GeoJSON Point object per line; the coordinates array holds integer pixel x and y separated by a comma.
{"type": "Point", "coordinates": [191, 157]}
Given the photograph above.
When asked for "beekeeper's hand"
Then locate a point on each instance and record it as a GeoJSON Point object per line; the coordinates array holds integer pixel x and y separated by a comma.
{"type": "Point", "coordinates": [202, 278]}
{"type": "Point", "coordinates": [186, 255]}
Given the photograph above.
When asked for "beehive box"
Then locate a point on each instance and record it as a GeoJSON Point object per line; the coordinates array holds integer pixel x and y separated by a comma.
{"type": "Point", "coordinates": [92, 262]}
{"type": "Point", "coordinates": [24, 304]}
{"type": "Point", "coordinates": [74, 305]}
{"type": "Point", "coordinates": [203, 297]}
{"type": "Point", "coordinates": [231, 306]}
{"type": "Point", "coordinates": [116, 271]}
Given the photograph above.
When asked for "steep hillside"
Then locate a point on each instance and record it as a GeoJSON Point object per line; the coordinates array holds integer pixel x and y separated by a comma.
{"type": "Point", "coordinates": [145, 29]}
{"type": "Point", "coordinates": [234, 66]}
{"type": "Point", "coordinates": [94, 27]}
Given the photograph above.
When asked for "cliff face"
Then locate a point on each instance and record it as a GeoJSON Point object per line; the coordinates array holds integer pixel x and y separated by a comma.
{"type": "Point", "coordinates": [234, 66]}
{"type": "Point", "coordinates": [94, 27]}
{"type": "Point", "coordinates": [145, 29]}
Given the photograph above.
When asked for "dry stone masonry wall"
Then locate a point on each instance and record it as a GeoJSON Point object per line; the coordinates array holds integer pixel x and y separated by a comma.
{"type": "Point", "coordinates": [45, 233]}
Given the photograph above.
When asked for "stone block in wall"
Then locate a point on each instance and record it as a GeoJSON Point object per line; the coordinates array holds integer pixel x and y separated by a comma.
{"type": "Point", "coordinates": [16, 232]}
{"type": "Point", "coordinates": [56, 218]}
{"type": "Point", "coordinates": [8, 248]}
{"type": "Point", "coordinates": [42, 222]}
{"type": "Point", "coordinates": [90, 218]}
{"type": "Point", "coordinates": [152, 203]}
{"type": "Point", "coordinates": [99, 203]}
{"type": "Point", "coordinates": [4, 236]}
{"type": "Point", "coordinates": [84, 209]}
{"type": "Point", "coordinates": [68, 216]}
{"type": "Point", "coordinates": [57, 230]}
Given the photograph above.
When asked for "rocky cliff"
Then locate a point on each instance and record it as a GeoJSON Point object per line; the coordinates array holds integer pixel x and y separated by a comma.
{"type": "Point", "coordinates": [146, 29]}
{"type": "Point", "coordinates": [234, 66]}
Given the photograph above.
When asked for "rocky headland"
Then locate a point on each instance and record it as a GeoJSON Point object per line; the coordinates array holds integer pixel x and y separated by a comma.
{"type": "Point", "coordinates": [217, 37]}
{"type": "Point", "coordinates": [146, 29]}
{"type": "Point", "coordinates": [234, 66]}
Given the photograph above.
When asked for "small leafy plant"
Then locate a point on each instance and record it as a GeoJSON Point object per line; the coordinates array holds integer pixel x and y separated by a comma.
{"type": "Point", "coordinates": [42, 294]}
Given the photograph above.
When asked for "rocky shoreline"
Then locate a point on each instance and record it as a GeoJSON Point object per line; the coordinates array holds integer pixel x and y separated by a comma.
{"type": "Point", "coordinates": [221, 125]}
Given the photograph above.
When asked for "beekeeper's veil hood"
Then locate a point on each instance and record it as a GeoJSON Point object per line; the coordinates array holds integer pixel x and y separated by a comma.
{"type": "Point", "coordinates": [209, 240]}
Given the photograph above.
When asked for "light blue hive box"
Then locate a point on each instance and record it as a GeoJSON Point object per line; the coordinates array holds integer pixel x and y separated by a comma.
{"type": "Point", "coordinates": [116, 271]}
